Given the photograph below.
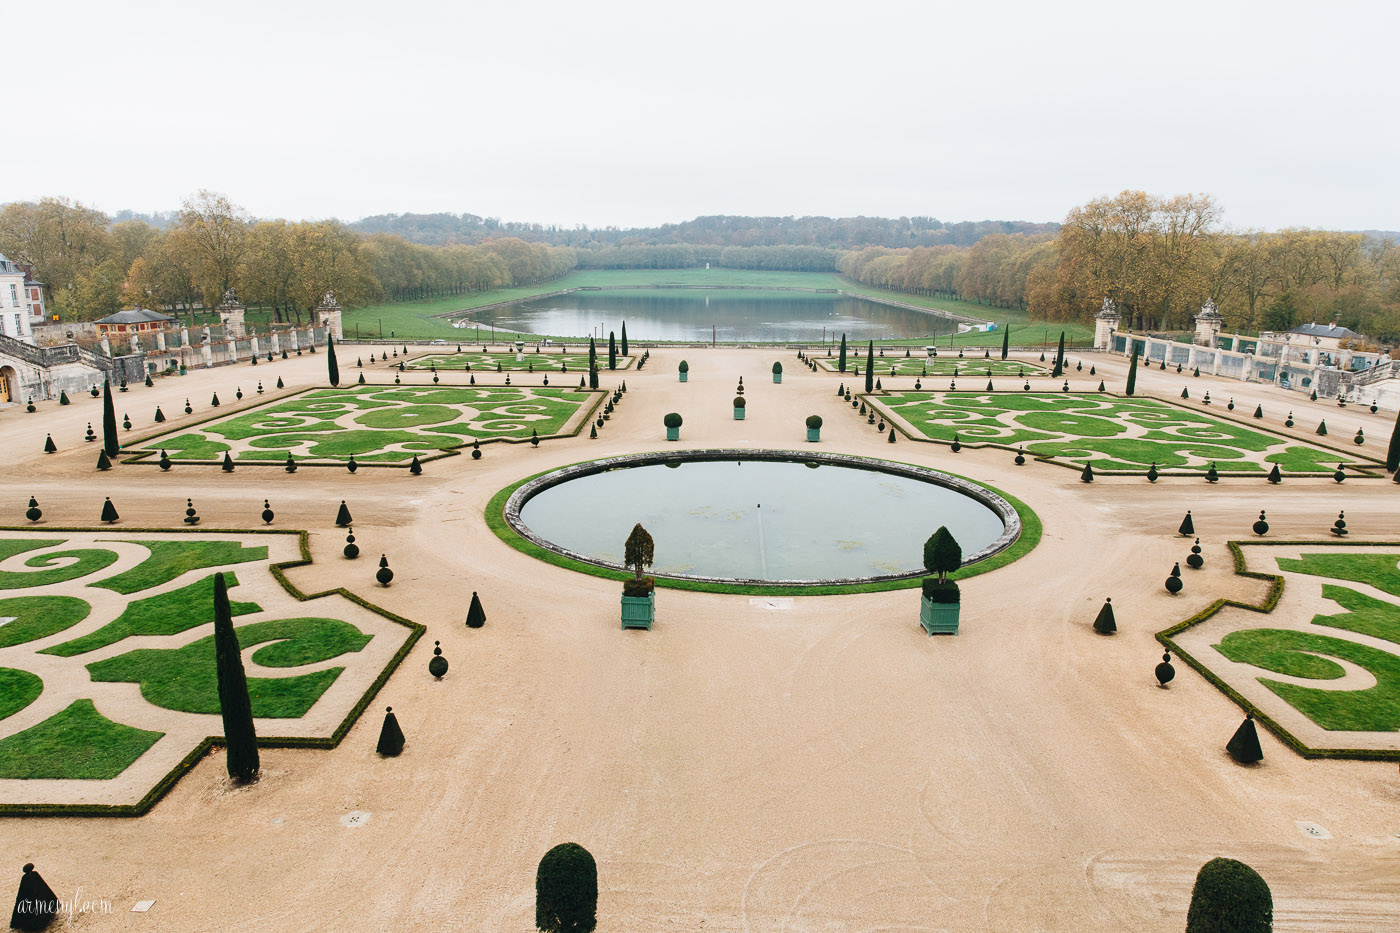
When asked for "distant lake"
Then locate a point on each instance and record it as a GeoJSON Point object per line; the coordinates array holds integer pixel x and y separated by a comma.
{"type": "Point", "coordinates": [741, 316]}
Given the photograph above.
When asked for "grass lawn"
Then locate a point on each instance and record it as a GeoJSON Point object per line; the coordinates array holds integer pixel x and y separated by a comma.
{"type": "Point", "coordinates": [919, 364]}
{"type": "Point", "coordinates": [184, 679]}
{"type": "Point", "coordinates": [86, 561]}
{"type": "Point", "coordinates": [78, 743]}
{"type": "Point", "coordinates": [1379, 570]}
{"type": "Point", "coordinates": [17, 690]}
{"type": "Point", "coordinates": [38, 617]}
{"type": "Point", "coordinates": [478, 362]}
{"type": "Point", "coordinates": [163, 614]}
{"type": "Point", "coordinates": [169, 559]}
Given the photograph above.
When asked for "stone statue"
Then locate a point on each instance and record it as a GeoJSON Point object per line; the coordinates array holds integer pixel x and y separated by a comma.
{"type": "Point", "coordinates": [329, 300]}
{"type": "Point", "coordinates": [1208, 307]}
{"type": "Point", "coordinates": [230, 299]}
{"type": "Point", "coordinates": [1109, 308]}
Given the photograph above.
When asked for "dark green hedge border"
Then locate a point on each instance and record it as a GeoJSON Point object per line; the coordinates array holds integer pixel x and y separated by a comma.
{"type": "Point", "coordinates": [152, 458]}
{"type": "Point", "coordinates": [1270, 601]}
{"type": "Point", "coordinates": [1030, 536]}
{"type": "Point", "coordinates": [279, 574]}
{"type": "Point", "coordinates": [602, 356]}
{"type": "Point", "coordinates": [1376, 467]}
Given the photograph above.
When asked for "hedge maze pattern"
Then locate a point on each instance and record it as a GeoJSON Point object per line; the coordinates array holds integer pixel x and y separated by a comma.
{"type": "Point", "coordinates": [918, 364]}
{"type": "Point", "coordinates": [1115, 434]}
{"type": "Point", "coordinates": [106, 656]}
{"type": "Point", "coordinates": [375, 424]}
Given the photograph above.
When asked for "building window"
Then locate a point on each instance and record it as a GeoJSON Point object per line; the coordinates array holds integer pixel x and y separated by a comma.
{"type": "Point", "coordinates": [14, 294]}
{"type": "Point", "coordinates": [18, 330]}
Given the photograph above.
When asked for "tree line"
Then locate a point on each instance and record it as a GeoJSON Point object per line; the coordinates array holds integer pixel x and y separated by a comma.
{"type": "Point", "coordinates": [92, 266]}
{"type": "Point", "coordinates": [1160, 259]}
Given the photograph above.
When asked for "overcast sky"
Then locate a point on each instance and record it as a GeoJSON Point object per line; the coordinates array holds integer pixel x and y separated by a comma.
{"type": "Point", "coordinates": [640, 113]}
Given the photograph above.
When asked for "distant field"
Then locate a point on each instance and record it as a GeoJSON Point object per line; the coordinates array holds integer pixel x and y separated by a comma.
{"type": "Point", "coordinates": [414, 319]}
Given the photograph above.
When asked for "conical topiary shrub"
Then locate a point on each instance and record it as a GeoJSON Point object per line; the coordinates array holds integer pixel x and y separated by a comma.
{"type": "Point", "coordinates": [63, 398]}
{"type": "Point", "coordinates": [1088, 475]}
{"type": "Point", "coordinates": [235, 706]}
{"type": "Point", "coordinates": [1322, 427]}
{"type": "Point", "coordinates": [1188, 527]}
{"type": "Point", "coordinates": [1229, 897]}
{"type": "Point", "coordinates": [342, 516]}
{"type": "Point", "coordinates": [1105, 623]}
{"type": "Point", "coordinates": [1275, 476]}
{"type": "Point", "coordinates": [103, 462]}
{"type": "Point", "coordinates": [566, 891]}
{"type": "Point", "coordinates": [390, 735]}
{"type": "Point", "coordinates": [415, 468]}
{"type": "Point", "coordinates": [160, 415]}
{"type": "Point", "coordinates": [215, 400]}
{"type": "Point", "coordinates": [227, 465]}
{"type": "Point", "coordinates": [1244, 744]}
{"type": "Point", "coordinates": [35, 903]}
{"type": "Point", "coordinates": [49, 446]}
{"type": "Point", "coordinates": [476, 616]}
{"type": "Point", "coordinates": [109, 512]}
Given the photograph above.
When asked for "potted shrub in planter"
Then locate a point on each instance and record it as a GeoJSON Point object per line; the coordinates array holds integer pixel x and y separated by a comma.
{"type": "Point", "coordinates": [814, 428]}
{"type": "Point", "coordinates": [638, 592]}
{"type": "Point", "coordinates": [684, 370]}
{"type": "Point", "coordinates": [777, 372]}
{"type": "Point", "coordinates": [673, 426]}
{"type": "Point", "coordinates": [739, 408]}
{"type": "Point", "coordinates": [941, 601]}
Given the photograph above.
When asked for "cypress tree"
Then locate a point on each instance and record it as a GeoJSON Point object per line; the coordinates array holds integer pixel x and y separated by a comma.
{"type": "Point", "coordinates": [1392, 457]}
{"type": "Point", "coordinates": [110, 444]}
{"type": "Point", "coordinates": [332, 369]}
{"type": "Point", "coordinates": [624, 338]}
{"type": "Point", "coordinates": [234, 704]}
{"type": "Point", "coordinates": [592, 353]}
{"type": "Point", "coordinates": [1005, 341]}
{"type": "Point", "coordinates": [612, 351]}
{"type": "Point", "coordinates": [840, 358]}
{"type": "Point", "coordinates": [592, 376]}
{"type": "Point", "coordinates": [870, 367]}
{"type": "Point", "coordinates": [1132, 371]}
{"type": "Point", "coordinates": [566, 890]}
{"type": "Point", "coordinates": [1060, 357]}
{"type": "Point", "coordinates": [1229, 897]}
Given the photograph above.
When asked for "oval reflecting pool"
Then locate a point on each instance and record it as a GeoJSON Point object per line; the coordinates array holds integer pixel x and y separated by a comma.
{"type": "Point", "coordinates": [769, 516]}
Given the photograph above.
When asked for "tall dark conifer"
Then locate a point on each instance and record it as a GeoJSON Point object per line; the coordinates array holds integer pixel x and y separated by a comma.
{"type": "Point", "coordinates": [110, 443]}
{"type": "Point", "coordinates": [1005, 341]}
{"type": "Point", "coordinates": [624, 338]}
{"type": "Point", "coordinates": [1392, 457]}
{"type": "Point", "coordinates": [1060, 357]}
{"type": "Point", "coordinates": [841, 357]}
{"type": "Point", "coordinates": [234, 703]}
{"type": "Point", "coordinates": [1132, 371]}
{"type": "Point", "coordinates": [612, 351]}
{"type": "Point", "coordinates": [332, 368]}
{"type": "Point", "coordinates": [870, 367]}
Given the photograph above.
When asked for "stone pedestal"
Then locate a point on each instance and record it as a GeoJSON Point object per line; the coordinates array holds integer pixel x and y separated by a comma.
{"type": "Point", "coordinates": [1208, 324]}
{"type": "Point", "coordinates": [328, 315]}
{"type": "Point", "coordinates": [1105, 323]}
{"type": "Point", "coordinates": [234, 326]}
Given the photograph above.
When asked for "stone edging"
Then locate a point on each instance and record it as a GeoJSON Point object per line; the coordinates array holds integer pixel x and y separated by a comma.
{"type": "Point", "coordinates": [1004, 510]}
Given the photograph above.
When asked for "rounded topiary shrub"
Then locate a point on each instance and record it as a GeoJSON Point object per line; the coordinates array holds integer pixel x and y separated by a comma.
{"type": "Point", "coordinates": [566, 890]}
{"type": "Point", "coordinates": [684, 367]}
{"type": "Point", "coordinates": [672, 420]}
{"type": "Point", "coordinates": [739, 401]}
{"type": "Point", "coordinates": [777, 367]}
{"type": "Point", "coordinates": [814, 421]}
{"type": "Point", "coordinates": [1230, 897]}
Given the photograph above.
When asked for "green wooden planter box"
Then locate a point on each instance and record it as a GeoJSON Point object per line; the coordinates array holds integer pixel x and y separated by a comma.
{"type": "Point", "coordinates": [738, 414]}
{"type": "Point", "coordinates": [814, 435]}
{"type": "Point", "coordinates": [638, 611]}
{"type": "Point", "coordinates": [673, 434]}
{"type": "Point", "coordinates": [939, 618]}
{"type": "Point", "coordinates": [777, 377]}
{"type": "Point", "coordinates": [683, 376]}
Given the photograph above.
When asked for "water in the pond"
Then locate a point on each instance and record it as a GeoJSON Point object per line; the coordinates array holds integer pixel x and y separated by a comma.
{"type": "Point", "coordinates": [686, 314]}
{"type": "Point", "coordinates": [760, 519]}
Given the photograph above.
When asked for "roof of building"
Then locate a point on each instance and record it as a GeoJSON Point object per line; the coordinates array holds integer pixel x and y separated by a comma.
{"type": "Point", "coordinates": [135, 316]}
{"type": "Point", "coordinates": [1321, 330]}
{"type": "Point", "coordinates": [7, 267]}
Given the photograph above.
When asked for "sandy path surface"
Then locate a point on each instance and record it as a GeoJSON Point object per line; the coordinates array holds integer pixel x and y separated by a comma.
{"type": "Point", "coordinates": [739, 768]}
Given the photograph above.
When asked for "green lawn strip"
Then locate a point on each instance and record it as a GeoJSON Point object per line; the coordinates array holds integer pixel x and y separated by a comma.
{"type": "Point", "coordinates": [1270, 601]}
{"type": "Point", "coordinates": [9, 547]}
{"type": "Point", "coordinates": [169, 559]}
{"type": "Point", "coordinates": [533, 362]}
{"type": "Point", "coordinates": [38, 617]}
{"type": "Point", "coordinates": [184, 679]}
{"type": "Point", "coordinates": [1364, 615]}
{"type": "Point", "coordinates": [88, 560]}
{"type": "Point", "coordinates": [278, 570]}
{"type": "Point", "coordinates": [1378, 570]}
{"type": "Point", "coordinates": [1283, 651]}
{"type": "Point", "coordinates": [937, 366]}
{"type": "Point", "coordinates": [78, 743]}
{"type": "Point", "coordinates": [1030, 536]}
{"type": "Point", "coordinates": [17, 690]}
{"type": "Point", "coordinates": [164, 614]}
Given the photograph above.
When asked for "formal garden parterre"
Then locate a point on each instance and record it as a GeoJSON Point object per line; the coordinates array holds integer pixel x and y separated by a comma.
{"type": "Point", "coordinates": [385, 425]}
{"type": "Point", "coordinates": [107, 665]}
{"type": "Point", "coordinates": [1115, 434]}
{"type": "Point", "coordinates": [1322, 668]}
{"type": "Point", "coordinates": [946, 364]}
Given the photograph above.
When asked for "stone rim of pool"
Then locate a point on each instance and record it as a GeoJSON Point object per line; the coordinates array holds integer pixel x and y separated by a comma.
{"type": "Point", "coordinates": [1010, 518]}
